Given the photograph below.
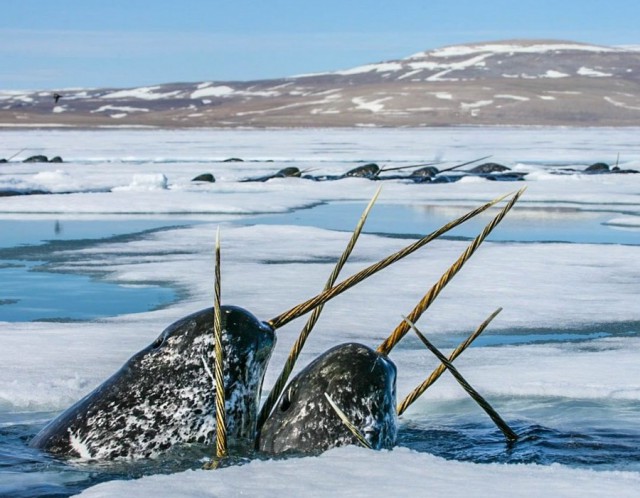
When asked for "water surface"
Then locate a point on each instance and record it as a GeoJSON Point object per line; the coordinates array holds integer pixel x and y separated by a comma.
{"type": "Point", "coordinates": [544, 224]}
{"type": "Point", "coordinates": [31, 291]}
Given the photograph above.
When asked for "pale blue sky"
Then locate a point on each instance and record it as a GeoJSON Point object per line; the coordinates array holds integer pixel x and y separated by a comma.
{"type": "Point", "coordinates": [98, 43]}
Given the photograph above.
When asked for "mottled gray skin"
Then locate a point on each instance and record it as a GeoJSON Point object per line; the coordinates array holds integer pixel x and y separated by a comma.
{"type": "Point", "coordinates": [489, 168]}
{"type": "Point", "coordinates": [362, 383]}
{"type": "Point", "coordinates": [424, 172]}
{"type": "Point", "coordinates": [165, 394]}
{"type": "Point", "coordinates": [370, 170]}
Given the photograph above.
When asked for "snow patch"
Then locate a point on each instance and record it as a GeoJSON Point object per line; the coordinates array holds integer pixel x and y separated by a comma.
{"type": "Point", "coordinates": [585, 71]}
{"type": "Point", "coordinates": [409, 74]}
{"type": "Point", "coordinates": [142, 93]}
{"type": "Point", "coordinates": [511, 48]}
{"type": "Point", "coordinates": [512, 97]}
{"type": "Point", "coordinates": [554, 74]}
{"type": "Point", "coordinates": [426, 65]}
{"type": "Point", "coordinates": [474, 105]}
{"type": "Point", "coordinates": [382, 67]}
{"type": "Point", "coordinates": [372, 105]}
{"type": "Point", "coordinates": [145, 182]}
{"type": "Point", "coordinates": [457, 66]}
{"type": "Point", "coordinates": [213, 91]}
{"type": "Point", "coordinates": [622, 105]}
{"type": "Point", "coordinates": [442, 95]}
{"type": "Point", "coordinates": [124, 109]}
{"type": "Point", "coordinates": [14, 95]}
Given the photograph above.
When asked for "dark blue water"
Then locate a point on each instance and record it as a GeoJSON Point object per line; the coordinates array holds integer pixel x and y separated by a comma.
{"type": "Point", "coordinates": [26, 472]}
{"type": "Point", "coordinates": [455, 430]}
{"type": "Point", "coordinates": [582, 435]}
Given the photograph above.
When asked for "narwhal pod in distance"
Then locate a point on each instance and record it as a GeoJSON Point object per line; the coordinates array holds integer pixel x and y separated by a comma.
{"type": "Point", "coordinates": [165, 394]}
{"type": "Point", "coordinates": [361, 382]}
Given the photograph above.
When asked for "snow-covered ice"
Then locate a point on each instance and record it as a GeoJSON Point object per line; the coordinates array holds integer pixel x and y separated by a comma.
{"type": "Point", "coordinates": [576, 289]}
{"type": "Point", "coordinates": [358, 473]}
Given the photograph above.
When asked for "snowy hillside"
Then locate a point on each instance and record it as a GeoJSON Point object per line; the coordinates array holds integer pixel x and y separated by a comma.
{"type": "Point", "coordinates": [510, 82]}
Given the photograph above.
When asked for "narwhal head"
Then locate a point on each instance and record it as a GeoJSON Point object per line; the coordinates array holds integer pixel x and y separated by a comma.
{"type": "Point", "coordinates": [361, 381]}
{"type": "Point", "coordinates": [165, 394]}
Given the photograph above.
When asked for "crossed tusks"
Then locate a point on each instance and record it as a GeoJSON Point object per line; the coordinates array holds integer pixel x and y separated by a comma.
{"type": "Point", "coordinates": [332, 290]}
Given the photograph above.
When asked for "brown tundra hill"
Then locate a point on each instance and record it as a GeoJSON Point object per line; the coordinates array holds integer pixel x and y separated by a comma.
{"type": "Point", "coordinates": [520, 82]}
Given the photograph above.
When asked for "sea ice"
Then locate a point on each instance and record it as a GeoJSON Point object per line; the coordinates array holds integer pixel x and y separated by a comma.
{"type": "Point", "coordinates": [549, 288]}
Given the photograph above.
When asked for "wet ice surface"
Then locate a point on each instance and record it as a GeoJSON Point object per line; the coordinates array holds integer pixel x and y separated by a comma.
{"type": "Point", "coordinates": [523, 224]}
{"type": "Point", "coordinates": [560, 363]}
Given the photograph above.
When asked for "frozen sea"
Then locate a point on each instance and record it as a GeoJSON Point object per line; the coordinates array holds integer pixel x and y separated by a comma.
{"type": "Point", "coordinates": [121, 224]}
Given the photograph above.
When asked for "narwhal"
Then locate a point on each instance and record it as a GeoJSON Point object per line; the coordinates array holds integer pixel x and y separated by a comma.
{"type": "Point", "coordinates": [165, 394]}
{"type": "Point", "coordinates": [348, 394]}
{"type": "Point", "coordinates": [361, 381]}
